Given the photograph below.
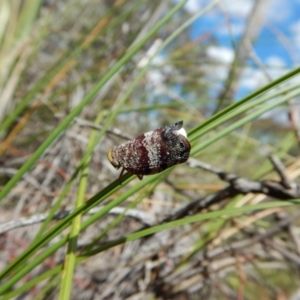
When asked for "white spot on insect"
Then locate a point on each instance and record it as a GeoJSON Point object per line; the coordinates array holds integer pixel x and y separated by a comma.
{"type": "Point", "coordinates": [148, 134]}
{"type": "Point", "coordinates": [152, 145]}
{"type": "Point", "coordinates": [181, 131]}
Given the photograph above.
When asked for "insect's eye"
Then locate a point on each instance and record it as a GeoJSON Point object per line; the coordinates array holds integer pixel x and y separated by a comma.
{"type": "Point", "coordinates": [178, 125]}
{"type": "Point", "coordinates": [182, 150]}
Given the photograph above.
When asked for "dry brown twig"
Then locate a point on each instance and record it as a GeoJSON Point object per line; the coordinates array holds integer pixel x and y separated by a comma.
{"type": "Point", "coordinates": [283, 190]}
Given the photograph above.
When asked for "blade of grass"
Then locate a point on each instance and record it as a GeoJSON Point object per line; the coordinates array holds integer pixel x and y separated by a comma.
{"type": "Point", "coordinates": [235, 111]}
{"type": "Point", "coordinates": [27, 17]}
{"type": "Point", "coordinates": [116, 221]}
{"type": "Point", "coordinates": [69, 265]}
{"type": "Point", "coordinates": [188, 220]}
{"type": "Point", "coordinates": [53, 272]}
{"type": "Point", "coordinates": [243, 121]}
{"type": "Point", "coordinates": [250, 97]}
{"type": "Point", "coordinates": [51, 285]}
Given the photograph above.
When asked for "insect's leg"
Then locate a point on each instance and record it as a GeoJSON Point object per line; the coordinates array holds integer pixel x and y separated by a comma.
{"type": "Point", "coordinates": [121, 174]}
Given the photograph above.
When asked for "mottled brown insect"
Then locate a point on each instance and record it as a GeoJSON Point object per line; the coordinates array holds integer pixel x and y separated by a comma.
{"type": "Point", "coordinates": [152, 152]}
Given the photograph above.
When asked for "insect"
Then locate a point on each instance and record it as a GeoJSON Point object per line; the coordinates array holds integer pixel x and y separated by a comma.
{"type": "Point", "coordinates": [152, 152]}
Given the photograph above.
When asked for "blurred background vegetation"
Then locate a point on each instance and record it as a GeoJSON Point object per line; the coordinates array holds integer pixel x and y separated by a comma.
{"type": "Point", "coordinates": [78, 77]}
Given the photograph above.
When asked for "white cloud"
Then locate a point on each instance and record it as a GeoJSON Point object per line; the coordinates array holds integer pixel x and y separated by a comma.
{"type": "Point", "coordinates": [295, 27]}
{"type": "Point", "coordinates": [275, 61]}
{"type": "Point", "coordinates": [278, 114]}
{"type": "Point", "coordinates": [215, 73]}
{"type": "Point", "coordinates": [276, 11]}
{"type": "Point", "coordinates": [236, 28]}
{"type": "Point", "coordinates": [193, 6]}
{"type": "Point", "coordinates": [224, 57]}
{"type": "Point", "coordinates": [276, 66]}
{"type": "Point", "coordinates": [155, 77]}
{"type": "Point", "coordinates": [220, 54]}
{"type": "Point", "coordinates": [279, 10]}
{"type": "Point", "coordinates": [251, 79]}
{"type": "Point", "coordinates": [295, 30]}
{"type": "Point", "coordinates": [238, 8]}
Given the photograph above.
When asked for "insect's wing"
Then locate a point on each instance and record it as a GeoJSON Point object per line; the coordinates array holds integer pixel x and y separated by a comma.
{"type": "Point", "coordinates": [140, 155]}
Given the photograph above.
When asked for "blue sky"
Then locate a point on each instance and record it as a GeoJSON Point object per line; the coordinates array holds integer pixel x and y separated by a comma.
{"type": "Point", "coordinates": [277, 46]}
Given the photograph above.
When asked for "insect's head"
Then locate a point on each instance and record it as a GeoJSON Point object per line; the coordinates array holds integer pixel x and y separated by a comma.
{"type": "Point", "coordinates": [112, 159]}
{"type": "Point", "coordinates": [179, 144]}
